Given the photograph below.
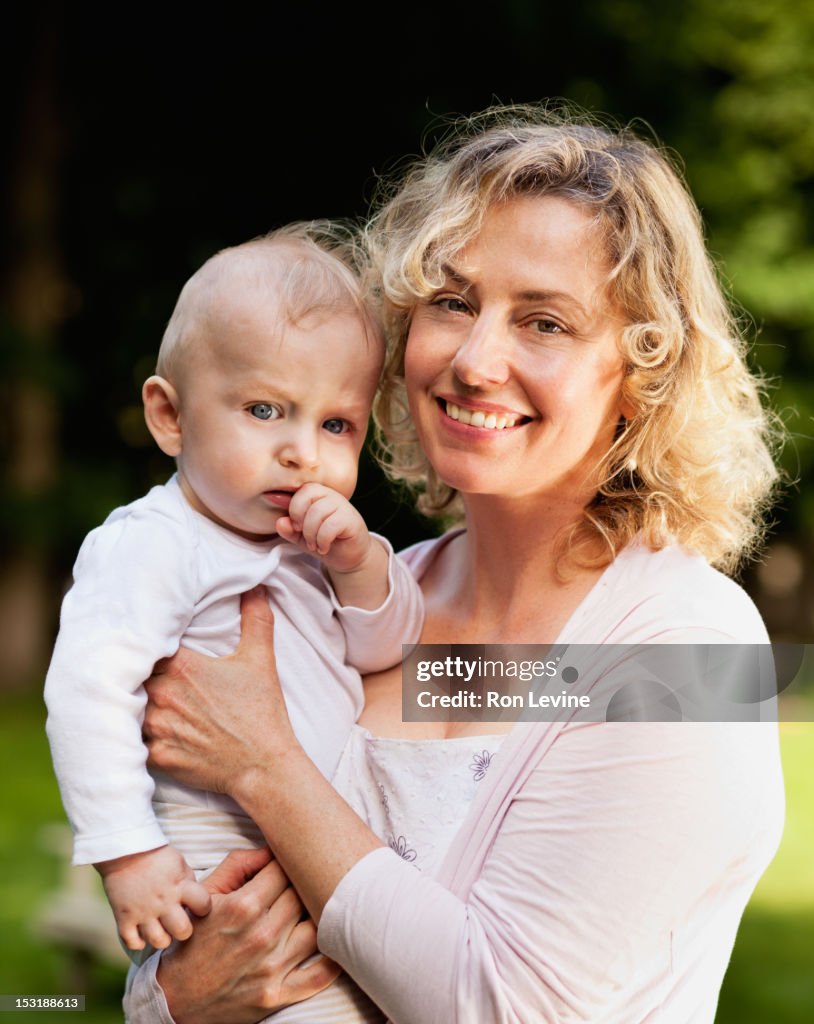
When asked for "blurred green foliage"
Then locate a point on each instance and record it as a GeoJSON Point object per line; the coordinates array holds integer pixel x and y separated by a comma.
{"type": "Point", "coordinates": [198, 141]}
{"type": "Point", "coordinates": [751, 167]}
{"type": "Point", "coordinates": [731, 89]}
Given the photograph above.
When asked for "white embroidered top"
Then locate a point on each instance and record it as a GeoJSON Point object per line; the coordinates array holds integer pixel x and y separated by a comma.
{"type": "Point", "coordinates": [414, 794]}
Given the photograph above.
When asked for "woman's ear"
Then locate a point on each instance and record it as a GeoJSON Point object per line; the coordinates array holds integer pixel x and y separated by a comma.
{"type": "Point", "coordinates": [162, 413]}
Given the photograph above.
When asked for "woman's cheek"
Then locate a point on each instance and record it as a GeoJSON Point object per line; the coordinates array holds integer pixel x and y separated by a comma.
{"type": "Point", "coordinates": [430, 349]}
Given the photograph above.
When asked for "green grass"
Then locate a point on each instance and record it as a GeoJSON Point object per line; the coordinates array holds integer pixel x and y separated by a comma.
{"type": "Point", "coordinates": [771, 976]}
{"type": "Point", "coordinates": [28, 871]}
{"type": "Point", "coordinates": [770, 979]}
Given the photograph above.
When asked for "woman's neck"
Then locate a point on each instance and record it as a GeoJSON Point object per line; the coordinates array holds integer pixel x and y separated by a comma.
{"type": "Point", "coordinates": [509, 588]}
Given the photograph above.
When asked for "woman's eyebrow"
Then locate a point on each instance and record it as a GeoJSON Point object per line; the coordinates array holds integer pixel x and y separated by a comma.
{"type": "Point", "coordinates": [548, 295]}
{"type": "Point", "coordinates": [456, 277]}
{"type": "Point", "coordinates": [526, 295]}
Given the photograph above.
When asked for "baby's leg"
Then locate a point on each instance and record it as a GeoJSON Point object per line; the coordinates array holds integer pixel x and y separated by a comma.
{"type": "Point", "coordinates": [205, 835]}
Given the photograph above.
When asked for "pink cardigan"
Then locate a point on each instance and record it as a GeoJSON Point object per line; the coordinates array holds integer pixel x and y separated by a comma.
{"type": "Point", "coordinates": [603, 869]}
{"type": "Point", "coordinates": [602, 872]}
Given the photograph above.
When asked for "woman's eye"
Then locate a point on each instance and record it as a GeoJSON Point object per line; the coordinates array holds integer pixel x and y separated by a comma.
{"type": "Point", "coordinates": [547, 327]}
{"type": "Point", "coordinates": [453, 305]}
{"type": "Point", "coordinates": [264, 411]}
{"type": "Point", "coordinates": [336, 426]}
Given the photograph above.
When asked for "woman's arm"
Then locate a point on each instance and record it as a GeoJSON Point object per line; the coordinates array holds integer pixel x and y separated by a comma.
{"type": "Point", "coordinates": [243, 960]}
{"type": "Point", "coordinates": [245, 747]}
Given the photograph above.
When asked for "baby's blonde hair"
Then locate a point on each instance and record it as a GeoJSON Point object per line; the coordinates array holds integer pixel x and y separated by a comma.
{"type": "Point", "coordinates": [693, 463]}
{"type": "Point", "coordinates": [304, 268]}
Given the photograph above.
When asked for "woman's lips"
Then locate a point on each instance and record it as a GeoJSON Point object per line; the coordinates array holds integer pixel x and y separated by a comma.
{"type": "Point", "coordinates": [280, 499]}
{"type": "Point", "coordinates": [493, 420]}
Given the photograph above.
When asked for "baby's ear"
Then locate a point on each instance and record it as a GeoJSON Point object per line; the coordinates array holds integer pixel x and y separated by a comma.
{"type": "Point", "coordinates": [162, 414]}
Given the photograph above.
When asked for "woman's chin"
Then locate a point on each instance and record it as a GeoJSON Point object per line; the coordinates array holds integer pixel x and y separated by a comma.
{"type": "Point", "coordinates": [469, 483]}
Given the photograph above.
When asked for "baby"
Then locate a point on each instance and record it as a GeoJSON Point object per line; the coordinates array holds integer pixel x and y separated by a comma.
{"type": "Point", "coordinates": [266, 376]}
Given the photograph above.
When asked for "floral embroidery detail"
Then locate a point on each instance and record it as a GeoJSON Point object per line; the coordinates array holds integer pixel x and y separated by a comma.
{"type": "Point", "coordinates": [480, 764]}
{"type": "Point", "coordinates": [401, 848]}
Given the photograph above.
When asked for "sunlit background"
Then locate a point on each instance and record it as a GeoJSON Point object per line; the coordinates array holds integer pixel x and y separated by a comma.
{"type": "Point", "coordinates": [136, 148]}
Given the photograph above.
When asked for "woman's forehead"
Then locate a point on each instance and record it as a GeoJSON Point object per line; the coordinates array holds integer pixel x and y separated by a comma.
{"type": "Point", "coordinates": [535, 245]}
{"type": "Point", "coordinates": [540, 222]}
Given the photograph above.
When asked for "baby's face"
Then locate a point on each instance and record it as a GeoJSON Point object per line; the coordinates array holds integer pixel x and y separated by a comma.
{"type": "Point", "coordinates": [264, 411]}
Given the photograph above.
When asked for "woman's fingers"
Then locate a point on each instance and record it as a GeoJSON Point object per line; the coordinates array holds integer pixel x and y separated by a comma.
{"type": "Point", "coordinates": [304, 981]}
{"type": "Point", "coordinates": [302, 943]}
{"type": "Point", "coordinates": [244, 959]}
{"type": "Point", "coordinates": [264, 889]}
{"type": "Point", "coordinates": [256, 627]}
{"type": "Point", "coordinates": [236, 869]}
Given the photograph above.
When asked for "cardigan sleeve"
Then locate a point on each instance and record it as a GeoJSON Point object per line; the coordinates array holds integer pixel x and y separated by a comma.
{"type": "Point", "coordinates": [621, 831]}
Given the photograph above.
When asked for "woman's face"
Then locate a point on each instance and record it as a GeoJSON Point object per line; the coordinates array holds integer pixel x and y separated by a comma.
{"type": "Point", "coordinates": [513, 369]}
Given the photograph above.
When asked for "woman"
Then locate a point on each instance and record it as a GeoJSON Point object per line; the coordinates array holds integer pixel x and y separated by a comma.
{"type": "Point", "coordinates": [564, 380]}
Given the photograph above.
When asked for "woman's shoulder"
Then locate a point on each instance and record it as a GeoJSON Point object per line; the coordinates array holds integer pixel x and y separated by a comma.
{"type": "Point", "coordinates": [419, 557]}
{"type": "Point", "coordinates": [647, 594]}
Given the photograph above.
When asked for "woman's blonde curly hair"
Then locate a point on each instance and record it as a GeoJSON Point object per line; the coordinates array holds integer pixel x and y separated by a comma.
{"type": "Point", "coordinates": [693, 464]}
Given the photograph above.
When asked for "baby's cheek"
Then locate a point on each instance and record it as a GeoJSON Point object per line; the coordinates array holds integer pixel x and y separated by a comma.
{"type": "Point", "coordinates": [347, 475]}
{"type": "Point", "coordinates": [239, 471]}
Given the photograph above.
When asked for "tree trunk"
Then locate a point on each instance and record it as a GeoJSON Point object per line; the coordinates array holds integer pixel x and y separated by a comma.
{"type": "Point", "coordinates": [35, 293]}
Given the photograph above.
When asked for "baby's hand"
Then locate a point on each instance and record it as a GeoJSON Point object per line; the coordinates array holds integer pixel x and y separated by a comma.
{"type": "Point", "coordinates": [321, 521]}
{"type": "Point", "coordinates": [148, 893]}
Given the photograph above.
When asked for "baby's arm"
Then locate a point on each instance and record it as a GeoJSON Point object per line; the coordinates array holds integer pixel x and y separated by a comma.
{"type": "Point", "coordinates": [324, 523]}
{"type": "Point", "coordinates": [132, 599]}
{"type": "Point", "coordinates": [376, 597]}
{"type": "Point", "coordinates": [148, 893]}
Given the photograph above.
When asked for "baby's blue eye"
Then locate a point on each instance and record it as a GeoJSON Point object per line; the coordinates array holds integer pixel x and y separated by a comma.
{"type": "Point", "coordinates": [264, 411]}
{"type": "Point", "coordinates": [335, 426]}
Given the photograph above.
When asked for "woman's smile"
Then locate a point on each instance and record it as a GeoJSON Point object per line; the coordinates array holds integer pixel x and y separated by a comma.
{"type": "Point", "coordinates": [484, 416]}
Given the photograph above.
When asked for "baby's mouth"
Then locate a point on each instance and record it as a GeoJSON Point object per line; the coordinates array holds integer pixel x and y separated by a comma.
{"type": "Point", "coordinates": [481, 418]}
{"type": "Point", "coordinates": [280, 498]}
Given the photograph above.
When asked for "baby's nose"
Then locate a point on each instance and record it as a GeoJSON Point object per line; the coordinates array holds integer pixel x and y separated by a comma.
{"type": "Point", "coordinates": [300, 451]}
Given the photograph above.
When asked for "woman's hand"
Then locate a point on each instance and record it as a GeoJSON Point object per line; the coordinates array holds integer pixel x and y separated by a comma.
{"type": "Point", "coordinates": [210, 721]}
{"type": "Point", "coordinates": [221, 724]}
{"type": "Point", "coordinates": [244, 959]}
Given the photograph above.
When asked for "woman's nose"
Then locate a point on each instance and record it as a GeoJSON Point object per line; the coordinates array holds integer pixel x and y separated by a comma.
{"type": "Point", "coordinates": [482, 358]}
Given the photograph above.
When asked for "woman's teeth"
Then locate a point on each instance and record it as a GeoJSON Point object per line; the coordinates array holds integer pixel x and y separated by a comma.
{"type": "Point", "coordinates": [478, 418]}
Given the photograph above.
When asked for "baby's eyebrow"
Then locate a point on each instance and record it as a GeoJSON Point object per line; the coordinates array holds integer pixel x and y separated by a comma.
{"type": "Point", "coordinates": [242, 394]}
